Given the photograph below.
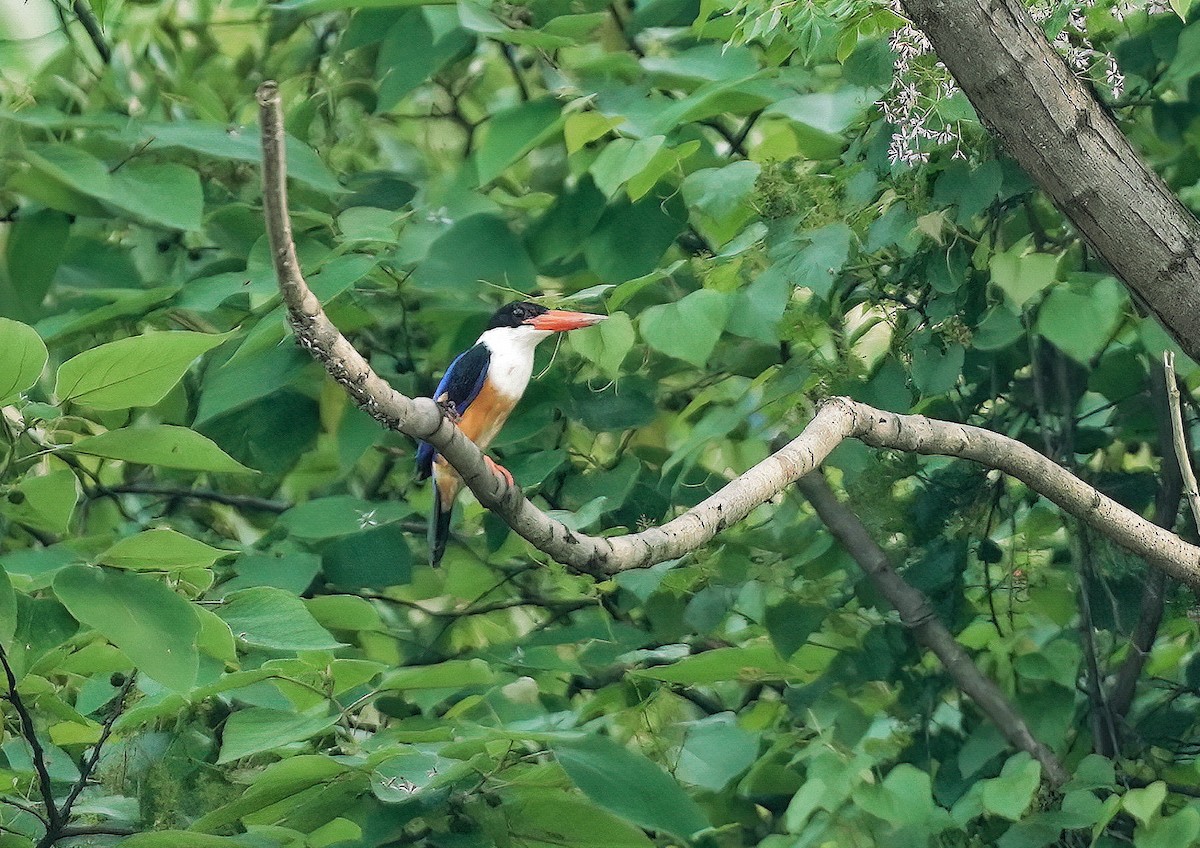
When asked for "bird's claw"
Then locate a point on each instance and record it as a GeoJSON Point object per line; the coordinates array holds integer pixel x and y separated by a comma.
{"type": "Point", "coordinates": [497, 468]}
{"type": "Point", "coordinates": [448, 408]}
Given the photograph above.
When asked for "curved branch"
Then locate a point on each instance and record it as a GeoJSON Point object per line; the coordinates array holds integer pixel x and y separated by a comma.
{"type": "Point", "coordinates": [836, 419]}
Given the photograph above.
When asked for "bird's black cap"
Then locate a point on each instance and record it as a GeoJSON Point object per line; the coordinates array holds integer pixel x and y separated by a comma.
{"type": "Point", "coordinates": [515, 314]}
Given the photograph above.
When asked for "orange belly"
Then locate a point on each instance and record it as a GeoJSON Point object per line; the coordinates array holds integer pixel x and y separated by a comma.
{"type": "Point", "coordinates": [486, 415]}
{"type": "Point", "coordinates": [480, 423]}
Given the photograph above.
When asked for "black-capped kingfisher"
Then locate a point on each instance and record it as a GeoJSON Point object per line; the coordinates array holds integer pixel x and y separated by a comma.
{"type": "Point", "coordinates": [480, 389]}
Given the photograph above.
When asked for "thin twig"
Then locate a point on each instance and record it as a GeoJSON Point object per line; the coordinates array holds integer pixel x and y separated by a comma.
{"type": "Point", "coordinates": [25, 808]}
{"type": "Point", "coordinates": [53, 818]}
{"type": "Point", "coordinates": [90, 766]}
{"type": "Point", "coordinates": [1166, 511]}
{"type": "Point", "coordinates": [1190, 492]}
{"type": "Point", "coordinates": [240, 501]}
{"type": "Point", "coordinates": [510, 58]}
{"type": "Point", "coordinates": [94, 31]}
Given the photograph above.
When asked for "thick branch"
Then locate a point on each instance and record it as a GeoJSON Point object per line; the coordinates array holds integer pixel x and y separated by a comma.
{"type": "Point", "coordinates": [836, 419]}
{"type": "Point", "coordinates": [916, 612]}
{"type": "Point", "coordinates": [1050, 122]}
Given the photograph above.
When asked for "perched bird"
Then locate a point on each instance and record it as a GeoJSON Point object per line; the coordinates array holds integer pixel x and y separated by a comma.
{"type": "Point", "coordinates": [480, 389]}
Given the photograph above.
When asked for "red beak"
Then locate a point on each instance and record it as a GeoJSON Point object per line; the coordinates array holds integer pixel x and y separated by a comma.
{"type": "Point", "coordinates": [558, 320]}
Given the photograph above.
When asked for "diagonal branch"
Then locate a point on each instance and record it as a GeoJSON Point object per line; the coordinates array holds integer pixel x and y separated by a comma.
{"type": "Point", "coordinates": [89, 767]}
{"type": "Point", "coordinates": [916, 612]}
{"type": "Point", "coordinates": [53, 818]}
{"type": "Point", "coordinates": [1166, 510]}
{"type": "Point", "coordinates": [836, 419]}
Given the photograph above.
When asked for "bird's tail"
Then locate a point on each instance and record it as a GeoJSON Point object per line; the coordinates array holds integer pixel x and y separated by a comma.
{"type": "Point", "coordinates": [445, 489]}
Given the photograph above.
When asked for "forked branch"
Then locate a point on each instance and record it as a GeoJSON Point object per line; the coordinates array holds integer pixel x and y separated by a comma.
{"type": "Point", "coordinates": [836, 419]}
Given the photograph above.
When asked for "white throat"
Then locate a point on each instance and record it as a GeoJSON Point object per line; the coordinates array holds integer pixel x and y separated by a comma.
{"type": "Point", "coordinates": [512, 357]}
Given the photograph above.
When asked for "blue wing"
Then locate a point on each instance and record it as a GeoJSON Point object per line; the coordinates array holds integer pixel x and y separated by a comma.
{"type": "Point", "coordinates": [460, 385]}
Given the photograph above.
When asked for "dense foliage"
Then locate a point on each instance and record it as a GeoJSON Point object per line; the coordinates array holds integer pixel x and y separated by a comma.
{"type": "Point", "coordinates": [209, 554]}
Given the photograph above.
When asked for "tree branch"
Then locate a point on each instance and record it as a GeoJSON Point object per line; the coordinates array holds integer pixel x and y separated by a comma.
{"type": "Point", "coordinates": [53, 818]}
{"type": "Point", "coordinates": [90, 766]}
{"type": "Point", "coordinates": [1047, 119]}
{"type": "Point", "coordinates": [166, 490]}
{"type": "Point", "coordinates": [836, 419]}
{"type": "Point", "coordinates": [1166, 510]}
{"type": "Point", "coordinates": [94, 31]}
{"type": "Point", "coordinates": [916, 612]}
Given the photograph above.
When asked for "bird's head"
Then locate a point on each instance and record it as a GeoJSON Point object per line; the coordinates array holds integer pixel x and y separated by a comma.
{"type": "Point", "coordinates": [536, 322]}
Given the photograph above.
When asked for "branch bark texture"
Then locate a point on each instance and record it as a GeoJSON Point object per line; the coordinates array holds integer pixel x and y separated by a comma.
{"type": "Point", "coordinates": [1050, 122]}
{"type": "Point", "coordinates": [836, 419]}
{"type": "Point", "coordinates": [917, 614]}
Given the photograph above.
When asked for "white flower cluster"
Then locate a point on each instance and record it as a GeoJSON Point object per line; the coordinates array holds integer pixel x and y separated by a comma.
{"type": "Point", "coordinates": [1074, 45]}
{"type": "Point", "coordinates": [915, 92]}
{"type": "Point", "coordinates": [917, 87]}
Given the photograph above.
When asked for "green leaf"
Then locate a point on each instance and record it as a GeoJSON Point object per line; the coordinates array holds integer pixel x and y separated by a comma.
{"type": "Point", "coordinates": [1144, 804]}
{"type": "Point", "coordinates": [340, 515]}
{"type": "Point", "coordinates": [36, 244]}
{"type": "Point", "coordinates": [312, 7]}
{"type": "Point", "coordinates": [687, 329]}
{"type": "Point", "coordinates": [258, 729]}
{"type": "Point", "coordinates": [240, 144]}
{"type": "Point", "coordinates": [719, 193]}
{"type": "Point", "coordinates": [606, 343]}
{"type": "Point", "coordinates": [166, 194]}
{"type": "Point", "coordinates": [479, 19]}
{"type": "Point", "coordinates": [998, 329]}
{"type": "Point", "coordinates": [178, 839]}
{"type": "Point", "coordinates": [289, 570]}
{"type": "Point", "coordinates": [370, 559]}
{"type": "Point", "coordinates": [277, 782]}
{"type": "Point", "coordinates": [45, 502]}
{"type": "Point", "coordinates": [476, 248]}
{"type": "Point", "coordinates": [1081, 317]}
{"type": "Point", "coordinates": [582, 128]}
{"type": "Point", "coordinates": [514, 132]}
{"type": "Point", "coordinates": [265, 617]}
{"type": "Point", "coordinates": [935, 371]}
{"type": "Point", "coordinates": [1169, 831]}
{"type": "Point", "coordinates": [444, 675]}
{"type": "Point", "coordinates": [715, 751]}
{"type": "Point", "coordinates": [747, 664]}
{"type": "Point", "coordinates": [22, 357]}
{"type": "Point", "coordinates": [790, 622]}
{"type": "Point", "coordinates": [904, 797]}
{"type": "Point", "coordinates": [549, 819]}
{"type": "Point", "coordinates": [629, 240]}
{"type": "Point", "coordinates": [623, 159]}
{"type": "Point", "coordinates": [1022, 275]}
{"type": "Point", "coordinates": [137, 371]}
{"type": "Point", "coordinates": [161, 550]}
{"type": "Point", "coordinates": [151, 624]}
{"type": "Point", "coordinates": [812, 258]}
{"type": "Point", "coordinates": [626, 783]}
{"type": "Point", "coordinates": [8, 610]}
{"type": "Point", "coordinates": [417, 46]}
{"type": "Point", "coordinates": [163, 445]}
{"type": "Point", "coordinates": [1010, 794]}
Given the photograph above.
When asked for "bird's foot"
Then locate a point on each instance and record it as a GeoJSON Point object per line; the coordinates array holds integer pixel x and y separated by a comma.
{"type": "Point", "coordinates": [448, 409]}
{"type": "Point", "coordinates": [497, 468]}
